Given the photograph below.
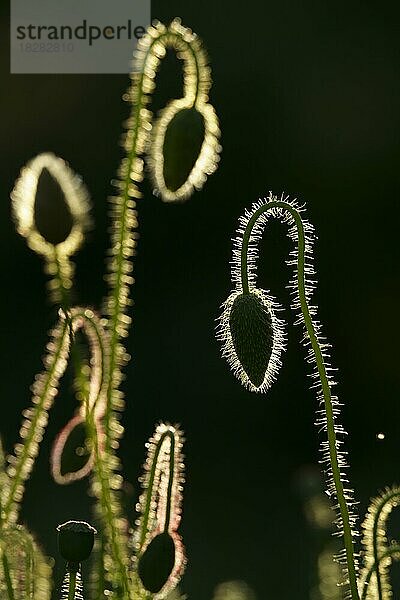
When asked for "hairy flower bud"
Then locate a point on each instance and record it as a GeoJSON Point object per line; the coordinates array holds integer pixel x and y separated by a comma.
{"type": "Point", "coordinates": [156, 563]}
{"type": "Point", "coordinates": [250, 323]}
{"type": "Point", "coordinates": [185, 148]}
{"type": "Point", "coordinates": [252, 338]}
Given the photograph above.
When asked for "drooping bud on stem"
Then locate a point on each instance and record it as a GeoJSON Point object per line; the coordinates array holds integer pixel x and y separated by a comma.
{"type": "Point", "coordinates": [252, 338]}
{"type": "Point", "coordinates": [160, 551]}
{"type": "Point", "coordinates": [252, 334]}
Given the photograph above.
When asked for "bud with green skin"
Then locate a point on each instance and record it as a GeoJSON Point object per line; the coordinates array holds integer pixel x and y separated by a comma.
{"type": "Point", "coordinates": [250, 324]}
{"type": "Point", "coordinates": [156, 563]}
{"type": "Point", "coordinates": [183, 140]}
{"type": "Point", "coordinates": [185, 148]}
{"type": "Point", "coordinates": [252, 337]}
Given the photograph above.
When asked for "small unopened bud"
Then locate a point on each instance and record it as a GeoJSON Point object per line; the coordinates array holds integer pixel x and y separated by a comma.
{"type": "Point", "coordinates": [250, 324]}
{"type": "Point", "coordinates": [157, 562]}
{"type": "Point", "coordinates": [183, 140]}
{"type": "Point", "coordinates": [52, 215]}
{"type": "Point", "coordinates": [75, 540]}
{"type": "Point", "coordinates": [185, 148]}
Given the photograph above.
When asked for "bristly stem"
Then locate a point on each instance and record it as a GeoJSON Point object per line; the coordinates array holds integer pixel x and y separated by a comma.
{"type": "Point", "coordinates": [72, 585]}
{"type": "Point", "coordinates": [124, 219]}
{"type": "Point", "coordinates": [130, 174]}
{"type": "Point", "coordinates": [62, 269]}
{"type": "Point", "coordinates": [150, 492]}
{"type": "Point", "coordinates": [44, 390]}
{"type": "Point", "coordinates": [171, 473]}
{"type": "Point", "coordinates": [7, 576]}
{"type": "Point", "coordinates": [319, 362]}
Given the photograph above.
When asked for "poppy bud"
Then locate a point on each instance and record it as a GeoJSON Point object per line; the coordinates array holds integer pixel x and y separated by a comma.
{"type": "Point", "coordinates": [75, 540]}
{"type": "Point", "coordinates": [52, 215]}
{"type": "Point", "coordinates": [157, 562]}
{"type": "Point", "coordinates": [250, 323]}
{"type": "Point", "coordinates": [184, 148]}
{"type": "Point", "coordinates": [50, 206]}
{"type": "Point", "coordinates": [183, 139]}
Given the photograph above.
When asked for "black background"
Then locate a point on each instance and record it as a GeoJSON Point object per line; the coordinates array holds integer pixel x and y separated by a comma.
{"type": "Point", "coordinates": [308, 99]}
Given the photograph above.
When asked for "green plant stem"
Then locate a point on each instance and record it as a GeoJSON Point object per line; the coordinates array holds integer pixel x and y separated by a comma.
{"type": "Point", "coordinates": [61, 277]}
{"type": "Point", "coordinates": [144, 522]}
{"type": "Point", "coordinates": [7, 576]}
{"type": "Point", "coordinates": [72, 585]}
{"type": "Point", "coordinates": [21, 474]}
{"type": "Point", "coordinates": [171, 473]}
{"type": "Point", "coordinates": [108, 501]}
{"type": "Point", "coordinates": [118, 295]}
{"type": "Point", "coordinates": [103, 473]}
{"type": "Point", "coordinates": [326, 392]}
{"type": "Point", "coordinates": [136, 119]}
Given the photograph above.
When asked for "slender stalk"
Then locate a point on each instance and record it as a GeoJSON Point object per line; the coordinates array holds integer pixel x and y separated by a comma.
{"type": "Point", "coordinates": [23, 464]}
{"type": "Point", "coordinates": [123, 244]}
{"type": "Point", "coordinates": [375, 541]}
{"type": "Point", "coordinates": [375, 546]}
{"type": "Point", "coordinates": [108, 503]}
{"type": "Point", "coordinates": [138, 125]}
{"type": "Point", "coordinates": [144, 521]}
{"type": "Point", "coordinates": [61, 283]}
{"type": "Point", "coordinates": [171, 472]}
{"type": "Point", "coordinates": [7, 576]}
{"type": "Point", "coordinates": [321, 368]}
{"type": "Point", "coordinates": [71, 585]}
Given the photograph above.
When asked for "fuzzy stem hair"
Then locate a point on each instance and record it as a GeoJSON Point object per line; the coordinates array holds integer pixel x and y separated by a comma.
{"type": "Point", "coordinates": [244, 273]}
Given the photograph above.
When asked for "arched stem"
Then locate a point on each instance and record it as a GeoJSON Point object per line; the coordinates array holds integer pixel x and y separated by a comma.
{"type": "Point", "coordinates": [171, 472]}
{"type": "Point", "coordinates": [139, 125]}
{"type": "Point", "coordinates": [392, 552]}
{"type": "Point", "coordinates": [150, 491]}
{"type": "Point", "coordinates": [320, 365]}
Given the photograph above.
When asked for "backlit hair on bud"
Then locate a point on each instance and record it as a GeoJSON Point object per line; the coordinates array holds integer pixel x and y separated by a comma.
{"type": "Point", "coordinates": [252, 338]}
{"type": "Point", "coordinates": [184, 147]}
{"type": "Point", "coordinates": [51, 210]}
{"type": "Point", "coordinates": [244, 276]}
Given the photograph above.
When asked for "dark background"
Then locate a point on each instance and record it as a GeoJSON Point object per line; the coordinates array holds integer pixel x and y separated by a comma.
{"type": "Point", "coordinates": [308, 99]}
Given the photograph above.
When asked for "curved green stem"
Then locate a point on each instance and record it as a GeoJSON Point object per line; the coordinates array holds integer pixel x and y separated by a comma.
{"type": "Point", "coordinates": [171, 472]}
{"type": "Point", "coordinates": [138, 125]}
{"type": "Point", "coordinates": [387, 498]}
{"type": "Point", "coordinates": [125, 222]}
{"type": "Point", "coordinates": [144, 522]}
{"type": "Point", "coordinates": [392, 552]}
{"type": "Point", "coordinates": [321, 368]}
